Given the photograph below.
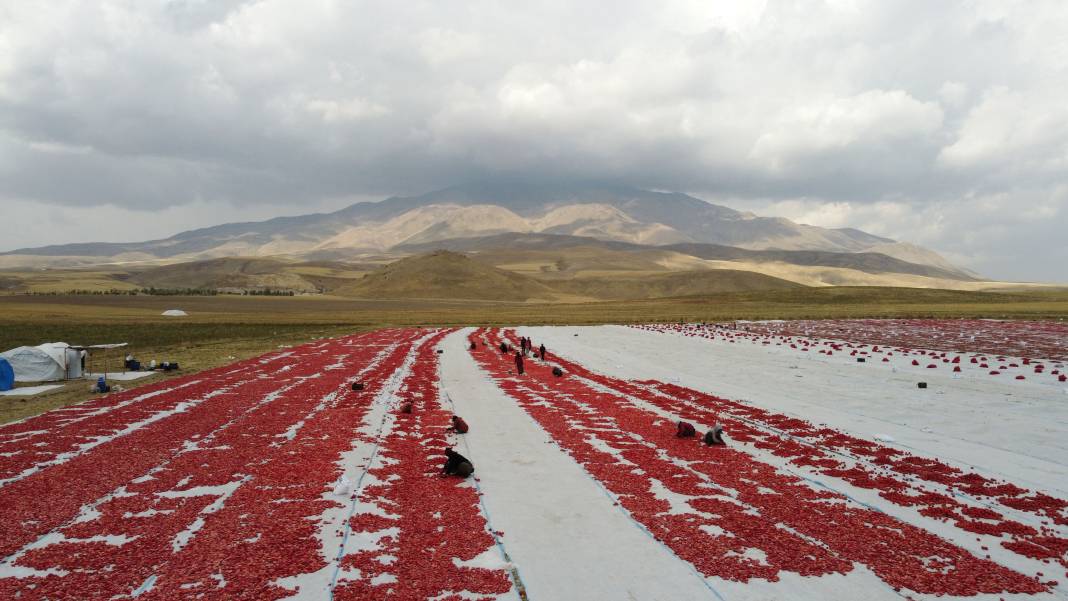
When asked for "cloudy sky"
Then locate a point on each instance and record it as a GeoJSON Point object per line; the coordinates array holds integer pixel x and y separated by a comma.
{"type": "Point", "coordinates": [941, 123]}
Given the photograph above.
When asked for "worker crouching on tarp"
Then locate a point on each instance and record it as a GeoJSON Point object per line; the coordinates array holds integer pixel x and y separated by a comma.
{"type": "Point", "coordinates": [714, 436]}
{"type": "Point", "coordinates": [459, 425]}
{"type": "Point", "coordinates": [685, 430]}
{"type": "Point", "coordinates": [457, 465]}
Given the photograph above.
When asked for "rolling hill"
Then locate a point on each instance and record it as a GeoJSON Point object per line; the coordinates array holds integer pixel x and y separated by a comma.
{"type": "Point", "coordinates": [251, 273]}
{"type": "Point", "coordinates": [236, 273]}
{"type": "Point", "coordinates": [518, 245]}
{"type": "Point", "coordinates": [667, 285]}
{"type": "Point", "coordinates": [448, 275]}
{"type": "Point", "coordinates": [868, 262]}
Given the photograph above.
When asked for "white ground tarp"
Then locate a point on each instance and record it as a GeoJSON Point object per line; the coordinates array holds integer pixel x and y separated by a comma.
{"type": "Point", "coordinates": [122, 376]}
{"type": "Point", "coordinates": [30, 390]}
{"type": "Point", "coordinates": [44, 363]}
{"type": "Point", "coordinates": [174, 313]}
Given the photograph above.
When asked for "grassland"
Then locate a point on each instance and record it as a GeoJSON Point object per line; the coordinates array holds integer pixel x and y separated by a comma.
{"type": "Point", "coordinates": [58, 312]}
{"type": "Point", "coordinates": [224, 273]}
{"type": "Point", "coordinates": [52, 281]}
{"type": "Point", "coordinates": [221, 329]}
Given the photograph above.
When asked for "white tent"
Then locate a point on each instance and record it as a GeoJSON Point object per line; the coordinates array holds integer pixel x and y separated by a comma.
{"type": "Point", "coordinates": [174, 313]}
{"type": "Point", "coordinates": [44, 363]}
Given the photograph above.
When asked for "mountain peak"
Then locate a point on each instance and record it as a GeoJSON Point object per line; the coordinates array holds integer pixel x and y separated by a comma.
{"type": "Point", "coordinates": [525, 195]}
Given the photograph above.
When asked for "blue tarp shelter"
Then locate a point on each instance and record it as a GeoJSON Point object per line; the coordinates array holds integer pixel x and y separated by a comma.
{"type": "Point", "coordinates": [7, 375]}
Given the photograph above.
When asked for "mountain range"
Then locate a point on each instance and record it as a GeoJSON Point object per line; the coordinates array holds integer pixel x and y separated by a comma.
{"type": "Point", "coordinates": [569, 240]}
{"type": "Point", "coordinates": [597, 210]}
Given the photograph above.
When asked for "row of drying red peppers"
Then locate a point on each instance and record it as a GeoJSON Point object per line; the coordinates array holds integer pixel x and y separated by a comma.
{"type": "Point", "coordinates": [218, 501]}
{"type": "Point", "coordinates": [742, 518]}
{"type": "Point", "coordinates": [426, 524]}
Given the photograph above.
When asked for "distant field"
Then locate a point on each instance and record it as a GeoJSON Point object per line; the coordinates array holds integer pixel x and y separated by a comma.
{"type": "Point", "coordinates": [325, 310]}
{"type": "Point", "coordinates": [60, 281]}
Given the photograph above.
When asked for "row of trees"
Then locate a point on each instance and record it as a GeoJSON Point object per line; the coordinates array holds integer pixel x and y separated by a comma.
{"type": "Point", "coordinates": [268, 292]}
{"type": "Point", "coordinates": [79, 292]}
{"type": "Point", "coordinates": [153, 291]}
{"type": "Point", "coordinates": [178, 291]}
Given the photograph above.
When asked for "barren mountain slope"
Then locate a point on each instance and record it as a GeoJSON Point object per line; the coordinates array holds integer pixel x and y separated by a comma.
{"type": "Point", "coordinates": [604, 211]}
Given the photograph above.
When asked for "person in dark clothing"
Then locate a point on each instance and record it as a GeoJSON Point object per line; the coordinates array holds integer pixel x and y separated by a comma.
{"type": "Point", "coordinates": [519, 363]}
{"type": "Point", "coordinates": [714, 436]}
{"type": "Point", "coordinates": [456, 464]}
{"type": "Point", "coordinates": [474, 345]}
{"type": "Point", "coordinates": [459, 425]}
{"type": "Point", "coordinates": [406, 407]}
{"type": "Point", "coordinates": [541, 352]}
{"type": "Point", "coordinates": [685, 430]}
{"type": "Point", "coordinates": [504, 347]}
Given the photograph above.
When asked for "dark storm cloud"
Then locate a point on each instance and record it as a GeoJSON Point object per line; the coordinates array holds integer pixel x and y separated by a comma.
{"type": "Point", "coordinates": [916, 105]}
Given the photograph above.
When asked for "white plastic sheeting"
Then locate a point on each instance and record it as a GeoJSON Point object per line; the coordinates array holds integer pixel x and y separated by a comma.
{"type": "Point", "coordinates": [30, 390]}
{"type": "Point", "coordinates": [44, 363]}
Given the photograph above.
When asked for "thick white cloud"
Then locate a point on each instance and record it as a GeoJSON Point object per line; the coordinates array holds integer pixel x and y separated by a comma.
{"type": "Point", "coordinates": [941, 123]}
{"type": "Point", "coordinates": [875, 119]}
{"type": "Point", "coordinates": [1014, 131]}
